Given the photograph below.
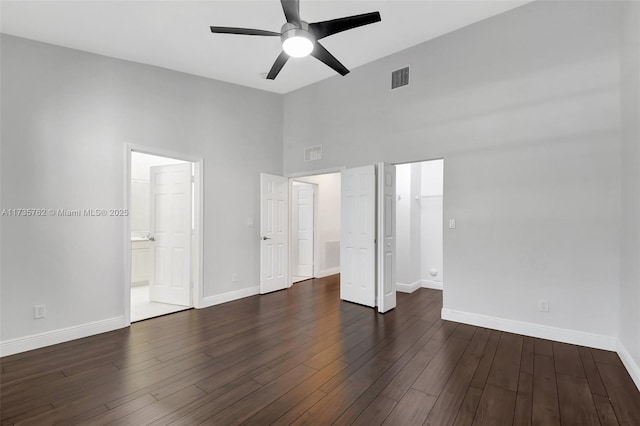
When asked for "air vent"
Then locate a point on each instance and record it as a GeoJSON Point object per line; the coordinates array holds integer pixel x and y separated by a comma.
{"type": "Point", "coordinates": [400, 78]}
{"type": "Point", "coordinates": [313, 153]}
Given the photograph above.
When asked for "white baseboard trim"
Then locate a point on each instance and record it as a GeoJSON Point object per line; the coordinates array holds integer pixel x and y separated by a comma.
{"type": "Point", "coordinates": [574, 337]}
{"type": "Point", "coordinates": [329, 271]}
{"type": "Point", "coordinates": [408, 288]}
{"type": "Point", "coordinates": [630, 364]}
{"type": "Point", "coordinates": [48, 338]}
{"type": "Point", "coordinates": [230, 296]}
{"type": "Point", "coordinates": [435, 285]}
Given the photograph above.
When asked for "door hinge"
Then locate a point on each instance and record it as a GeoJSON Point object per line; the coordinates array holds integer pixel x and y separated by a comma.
{"type": "Point", "coordinates": [193, 179]}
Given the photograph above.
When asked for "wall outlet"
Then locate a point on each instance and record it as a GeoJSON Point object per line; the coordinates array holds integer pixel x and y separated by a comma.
{"type": "Point", "coordinates": [543, 305]}
{"type": "Point", "coordinates": [234, 278]}
{"type": "Point", "coordinates": [39, 311]}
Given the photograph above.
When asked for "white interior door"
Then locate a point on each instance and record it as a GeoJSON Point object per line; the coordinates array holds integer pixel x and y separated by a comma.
{"type": "Point", "coordinates": [170, 234]}
{"type": "Point", "coordinates": [386, 237]}
{"type": "Point", "coordinates": [302, 227]}
{"type": "Point", "coordinates": [274, 232]}
{"type": "Point", "coordinates": [358, 235]}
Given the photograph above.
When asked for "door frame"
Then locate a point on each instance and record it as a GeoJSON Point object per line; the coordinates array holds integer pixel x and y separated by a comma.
{"type": "Point", "coordinates": [198, 211]}
{"type": "Point", "coordinates": [299, 176]}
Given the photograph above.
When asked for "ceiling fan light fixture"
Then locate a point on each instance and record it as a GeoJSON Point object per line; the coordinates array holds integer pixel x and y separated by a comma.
{"type": "Point", "coordinates": [300, 38]}
{"type": "Point", "coordinates": [297, 43]}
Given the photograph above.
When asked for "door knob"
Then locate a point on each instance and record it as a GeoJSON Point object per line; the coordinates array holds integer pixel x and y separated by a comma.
{"type": "Point", "coordinates": [265, 238]}
{"type": "Point", "coordinates": [152, 239]}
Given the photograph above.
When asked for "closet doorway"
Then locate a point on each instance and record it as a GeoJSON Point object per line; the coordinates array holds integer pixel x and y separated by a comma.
{"type": "Point", "coordinates": [419, 225]}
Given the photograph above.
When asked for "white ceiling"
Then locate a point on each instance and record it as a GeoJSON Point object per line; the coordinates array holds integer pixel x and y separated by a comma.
{"type": "Point", "coordinates": [175, 34]}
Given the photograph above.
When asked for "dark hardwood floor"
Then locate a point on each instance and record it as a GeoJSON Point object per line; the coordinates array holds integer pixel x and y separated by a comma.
{"type": "Point", "coordinates": [301, 356]}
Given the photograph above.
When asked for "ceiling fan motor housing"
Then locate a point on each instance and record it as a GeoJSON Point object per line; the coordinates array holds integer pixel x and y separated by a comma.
{"type": "Point", "coordinates": [291, 33]}
{"type": "Point", "coordinates": [289, 30]}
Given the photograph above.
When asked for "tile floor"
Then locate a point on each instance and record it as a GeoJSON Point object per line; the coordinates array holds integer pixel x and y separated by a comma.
{"type": "Point", "coordinates": [142, 308]}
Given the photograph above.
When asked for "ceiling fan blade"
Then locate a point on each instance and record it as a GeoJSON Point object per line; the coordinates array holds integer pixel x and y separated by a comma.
{"type": "Point", "coordinates": [327, 28]}
{"type": "Point", "coordinates": [323, 55]}
{"type": "Point", "coordinates": [291, 10]}
{"type": "Point", "coordinates": [244, 31]}
{"type": "Point", "coordinates": [277, 65]}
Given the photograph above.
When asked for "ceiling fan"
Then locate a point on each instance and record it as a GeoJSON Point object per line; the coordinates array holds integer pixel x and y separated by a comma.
{"type": "Point", "coordinates": [300, 39]}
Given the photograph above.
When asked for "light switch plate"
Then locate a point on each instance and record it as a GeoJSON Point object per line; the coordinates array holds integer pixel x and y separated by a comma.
{"type": "Point", "coordinates": [452, 224]}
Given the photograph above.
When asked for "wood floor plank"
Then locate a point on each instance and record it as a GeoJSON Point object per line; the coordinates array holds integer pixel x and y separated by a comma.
{"type": "Point", "coordinates": [435, 375]}
{"type": "Point", "coordinates": [292, 414]}
{"type": "Point", "coordinates": [567, 360]}
{"type": "Point", "coordinates": [624, 396]}
{"type": "Point", "coordinates": [546, 411]}
{"type": "Point", "coordinates": [122, 410]}
{"type": "Point", "coordinates": [21, 416]}
{"type": "Point", "coordinates": [72, 412]}
{"type": "Point", "coordinates": [302, 356]}
{"type": "Point", "coordinates": [246, 407]}
{"type": "Point", "coordinates": [376, 412]}
{"type": "Point", "coordinates": [201, 409]}
{"type": "Point", "coordinates": [543, 347]}
{"type": "Point", "coordinates": [399, 360]}
{"type": "Point", "coordinates": [524, 400]}
{"type": "Point", "coordinates": [482, 372]}
{"type": "Point", "coordinates": [576, 403]}
{"type": "Point", "coordinates": [496, 407]}
{"type": "Point", "coordinates": [505, 369]}
{"type": "Point", "coordinates": [605, 411]}
{"type": "Point", "coordinates": [329, 408]}
{"type": "Point", "coordinates": [526, 363]}
{"type": "Point", "coordinates": [296, 396]}
{"type": "Point", "coordinates": [467, 411]}
{"type": "Point", "coordinates": [591, 371]}
{"type": "Point", "coordinates": [159, 409]}
{"type": "Point", "coordinates": [412, 409]}
{"type": "Point", "coordinates": [446, 408]}
{"type": "Point", "coordinates": [405, 378]}
{"type": "Point", "coordinates": [606, 357]}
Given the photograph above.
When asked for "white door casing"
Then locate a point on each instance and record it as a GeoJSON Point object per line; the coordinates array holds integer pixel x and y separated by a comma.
{"type": "Point", "coordinates": [274, 232]}
{"type": "Point", "coordinates": [302, 227]}
{"type": "Point", "coordinates": [170, 234]}
{"type": "Point", "coordinates": [386, 237]}
{"type": "Point", "coordinates": [358, 235]}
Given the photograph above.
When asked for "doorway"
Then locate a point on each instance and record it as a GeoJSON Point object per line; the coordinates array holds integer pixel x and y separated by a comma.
{"type": "Point", "coordinates": [314, 226]}
{"type": "Point", "coordinates": [419, 225]}
{"type": "Point", "coordinates": [164, 233]}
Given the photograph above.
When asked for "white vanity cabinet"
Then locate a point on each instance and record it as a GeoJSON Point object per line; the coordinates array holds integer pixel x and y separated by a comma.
{"type": "Point", "coordinates": [139, 262]}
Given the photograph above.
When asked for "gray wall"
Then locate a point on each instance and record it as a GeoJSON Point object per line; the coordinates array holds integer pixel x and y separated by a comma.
{"type": "Point", "coordinates": [66, 116]}
{"type": "Point", "coordinates": [630, 270]}
{"type": "Point", "coordinates": [525, 109]}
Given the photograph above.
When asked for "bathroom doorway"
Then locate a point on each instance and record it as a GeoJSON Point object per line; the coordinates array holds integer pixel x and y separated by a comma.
{"type": "Point", "coordinates": [162, 224]}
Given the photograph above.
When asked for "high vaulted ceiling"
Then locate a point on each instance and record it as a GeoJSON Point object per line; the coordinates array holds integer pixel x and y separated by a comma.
{"type": "Point", "coordinates": [175, 34]}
